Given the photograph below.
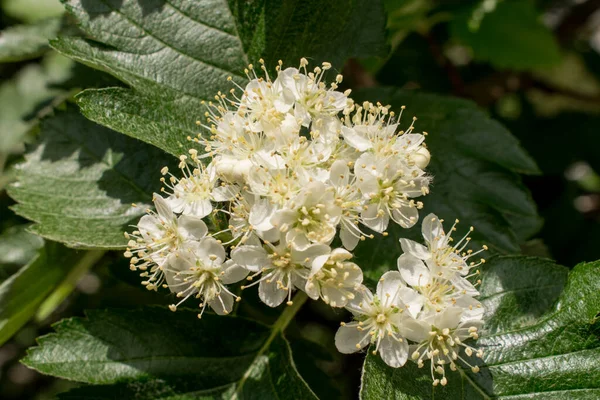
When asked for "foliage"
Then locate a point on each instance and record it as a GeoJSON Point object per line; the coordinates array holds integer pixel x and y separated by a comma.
{"type": "Point", "coordinates": [97, 96]}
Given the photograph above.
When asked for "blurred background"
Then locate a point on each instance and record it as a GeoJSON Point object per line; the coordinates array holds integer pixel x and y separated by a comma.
{"type": "Point", "coordinates": [533, 65]}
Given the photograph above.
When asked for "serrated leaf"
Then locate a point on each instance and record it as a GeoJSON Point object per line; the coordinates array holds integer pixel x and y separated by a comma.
{"type": "Point", "coordinates": [526, 355]}
{"type": "Point", "coordinates": [21, 97]}
{"type": "Point", "coordinates": [152, 353]}
{"type": "Point", "coordinates": [176, 53]}
{"type": "Point", "coordinates": [475, 164]}
{"type": "Point", "coordinates": [22, 293]}
{"type": "Point", "coordinates": [522, 43]}
{"type": "Point", "coordinates": [78, 184]}
{"type": "Point", "coordinates": [24, 42]}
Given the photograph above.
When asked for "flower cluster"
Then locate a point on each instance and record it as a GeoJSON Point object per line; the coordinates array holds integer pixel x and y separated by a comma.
{"type": "Point", "coordinates": [425, 310]}
{"type": "Point", "coordinates": [288, 166]}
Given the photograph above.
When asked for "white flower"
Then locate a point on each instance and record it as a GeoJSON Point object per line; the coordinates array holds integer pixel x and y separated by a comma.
{"type": "Point", "coordinates": [265, 103]}
{"type": "Point", "coordinates": [333, 278]}
{"type": "Point", "coordinates": [310, 217]}
{"type": "Point", "coordinates": [443, 258]}
{"type": "Point", "coordinates": [282, 267]}
{"type": "Point", "coordinates": [388, 189]}
{"type": "Point", "coordinates": [438, 292]}
{"type": "Point", "coordinates": [200, 270]}
{"type": "Point", "coordinates": [194, 193]}
{"type": "Point", "coordinates": [348, 198]}
{"type": "Point", "coordinates": [441, 340]}
{"type": "Point", "coordinates": [382, 320]}
{"type": "Point", "coordinates": [312, 97]}
{"type": "Point", "coordinates": [158, 235]}
{"type": "Point", "coordinates": [250, 215]}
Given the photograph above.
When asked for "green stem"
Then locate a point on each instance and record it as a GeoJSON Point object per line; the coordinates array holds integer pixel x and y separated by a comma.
{"type": "Point", "coordinates": [68, 284]}
{"type": "Point", "coordinates": [279, 326]}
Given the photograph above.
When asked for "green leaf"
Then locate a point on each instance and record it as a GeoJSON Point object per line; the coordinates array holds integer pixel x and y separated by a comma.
{"type": "Point", "coordinates": [21, 97]}
{"type": "Point", "coordinates": [17, 246]}
{"type": "Point", "coordinates": [80, 181]}
{"type": "Point", "coordinates": [23, 292]}
{"type": "Point", "coordinates": [152, 353]}
{"type": "Point", "coordinates": [511, 35]}
{"type": "Point", "coordinates": [32, 10]}
{"type": "Point", "coordinates": [526, 354]}
{"type": "Point", "coordinates": [475, 164]}
{"type": "Point", "coordinates": [177, 53]}
{"type": "Point", "coordinates": [24, 42]}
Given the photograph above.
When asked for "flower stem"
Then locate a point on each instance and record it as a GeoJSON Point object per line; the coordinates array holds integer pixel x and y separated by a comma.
{"type": "Point", "coordinates": [279, 326]}
{"type": "Point", "coordinates": [288, 314]}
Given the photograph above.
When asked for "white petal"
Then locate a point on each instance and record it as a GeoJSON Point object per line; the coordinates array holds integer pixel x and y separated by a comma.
{"type": "Point", "coordinates": [334, 296]}
{"type": "Point", "coordinates": [432, 228]}
{"type": "Point", "coordinates": [308, 254]}
{"type": "Point", "coordinates": [253, 258]}
{"type": "Point", "coordinates": [415, 249]}
{"type": "Point", "coordinates": [356, 138]}
{"type": "Point", "coordinates": [414, 329]}
{"type": "Point", "coordinates": [405, 216]}
{"type": "Point", "coordinates": [347, 338]}
{"type": "Point", "coordinates": [339, 174]}
{"type": "Point", "coordinates": [233, 272]}
{"type": "Point", "coordinates": [162, 208]}
{"type": "Point", "coordinates": [223, 308]}
{"type": "Point", "coordinates": [312, 289]}
{"type": "Point", "coordinates": [413, 271]}
{"type": "Point", "coordinates": [448, 318]}
{"type": "Point", "coordinates": [270, 294]}
{"type": "Point", "coordinates": [211, 252]}
{"type": "Point", "coordinates": [393, 352]}
{"type": "Point", "coordinates": [349, 240]}
{"type": "Point", "coordinates": [199, 208]}
{"type": "Point", "coordinates": [388, 287]}
{"type": "Point", "coordinates": [150, 227]}
{"type": "Point", "coordinates": [191, 227]}
{"type": "Point", "coordinates": [224, 193]}
{"type": "Point", "coordinates": [362, 296]}
{"type": "Point", "coordinates": [412, 300]}
{"type": "Point", "coordinates": [371, 219]}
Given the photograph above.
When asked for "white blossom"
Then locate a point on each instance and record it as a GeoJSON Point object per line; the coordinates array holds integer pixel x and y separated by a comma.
{"type": "Point", "coordinates": [441, 340]}
{"type": "Point", "coordinates": [201, 270]}
{"type": "Point", "coordinates": [282, 266]}
{"type": "Point", "coordinates": [333, 278]}
{"type": "Point", "coordinates": [158, 235]}
{"type": "Point", "coordinates": [194, 193]}
{"type": "Point", "coordinates": [383, 320]}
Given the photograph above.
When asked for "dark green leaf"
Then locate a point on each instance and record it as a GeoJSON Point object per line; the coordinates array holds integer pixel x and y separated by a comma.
{"type": "Point", "coordinates": [153, 353]}
{"type": "Point", "coordinates": [23, 292]}
{"type": "Point", "coordinates": [24, 42]}
{"type": "Point", "coordinates": [79, 183]}
{"type": "Point", "coordinates": [176, 53]}
{"type": "Point", "coordinates": [526, 355]}
{"type": "Point", "coordinates": [511, 35]}
{"type": "Point", "coordinates": [475, 163]}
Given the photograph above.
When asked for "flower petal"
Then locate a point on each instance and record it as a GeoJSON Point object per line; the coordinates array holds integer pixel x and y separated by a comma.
{"type": "Point", "coordinates": [271, 294]}
{"type": "Point", "coordinates": [223, 304]}
{"type": "Point", "coordinates": [233, 272]}
{"type": "Point", "coordinates": [393, 352]}
{"type": "Point", "coordinates": [415, 249]}
{"type": "Point", "coordinates": [191, 227]}
{"type": "Point", "coordinates": [432, 228]}
{"type": "Point", "coordinates": [413, 271]}
{"type": "Point", "coordinates": [253, 258]}
{"type": "Point", "coordinates": [348, 337]}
